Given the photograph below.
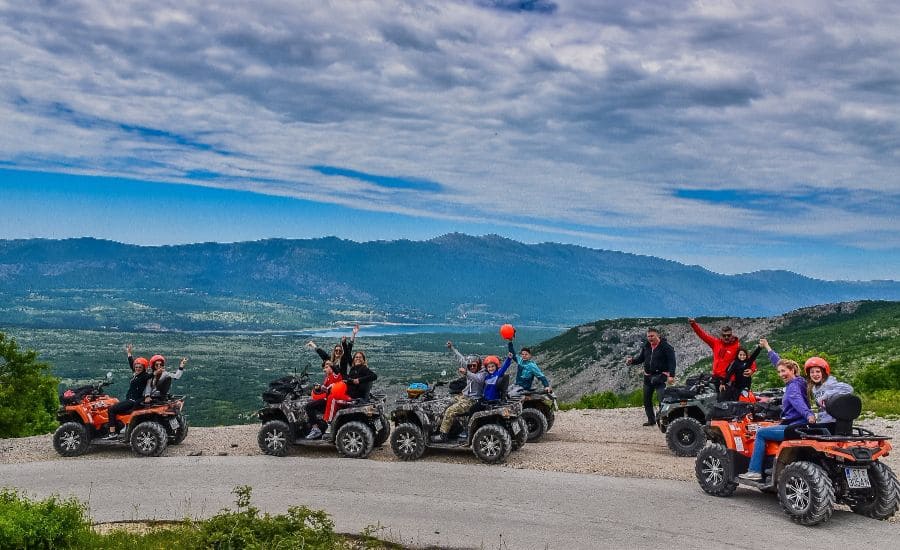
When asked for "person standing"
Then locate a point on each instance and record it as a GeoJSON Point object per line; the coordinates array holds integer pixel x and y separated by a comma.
{"type": "Point", "coordinates": [658, 357]}
{"type": "Point", "coordinates": [724, 348]}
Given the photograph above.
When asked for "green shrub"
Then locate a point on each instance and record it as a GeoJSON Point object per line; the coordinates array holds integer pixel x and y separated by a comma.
{"type": "Point", "coordinates": [874, 378]}
{"type": "Point", "coordinates": [606, 400]}
{"type": "Point", "coordinates": [882, 402]}
{"type": "Point", "coordinates": [28, 394]}
{"type": "Point", "coordinates": [48, 523]}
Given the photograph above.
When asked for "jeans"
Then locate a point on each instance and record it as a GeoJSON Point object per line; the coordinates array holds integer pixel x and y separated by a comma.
{"type": "Point", "coordinates": [649, 388]}
{"type": "Point", "coordinates": [772, 433]}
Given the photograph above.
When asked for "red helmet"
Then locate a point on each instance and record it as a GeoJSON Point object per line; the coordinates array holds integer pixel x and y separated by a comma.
{"type": "Point", "coordinates": [817, 362]}
{"type": "Point", "coordinates": [491, 359]}
{"type": "Point", "coordinates": [156, 358]}
{"type": "Point", "coordinates": [142, 361]}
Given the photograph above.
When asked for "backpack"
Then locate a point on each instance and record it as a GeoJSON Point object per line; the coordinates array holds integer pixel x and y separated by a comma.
{"type": "Point", "coordinates": [75, 395]}
{"type": "Point", "coordinates": [280, 389]}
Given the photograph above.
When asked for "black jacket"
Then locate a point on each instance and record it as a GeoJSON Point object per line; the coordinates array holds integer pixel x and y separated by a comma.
{"type": "Point", "coordinates": [365, 376]}
{"type": "Point", "coordinates": [137, 385]}
{"type": "Point", "coordinates": [656, 361]}
{"type": "Point", "coordinates": [346, 357]}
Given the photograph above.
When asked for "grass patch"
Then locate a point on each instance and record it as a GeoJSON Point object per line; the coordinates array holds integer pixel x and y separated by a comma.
{"type": "Point", "coordinates": [606, 400]}
{"type": "Point", "coordinates": [63, 524]}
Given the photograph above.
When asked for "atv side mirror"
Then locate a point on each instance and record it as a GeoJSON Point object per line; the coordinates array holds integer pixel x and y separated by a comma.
{"type": "Point", "coordinates": [109, 375]}
{"type": "Point", "coordinates": [443, 373]}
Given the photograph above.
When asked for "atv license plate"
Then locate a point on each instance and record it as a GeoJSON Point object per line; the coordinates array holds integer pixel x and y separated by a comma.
{"type": "Point", "coordinates": [516, 428]}
{"type": "Point", "coordinates": [857, 478]}
{"type": "Point", "coordinates": [174, 423]}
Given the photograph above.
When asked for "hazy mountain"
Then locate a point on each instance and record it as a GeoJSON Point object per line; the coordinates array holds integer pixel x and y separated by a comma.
{"type": "Point", "coordinates": [454, 278]}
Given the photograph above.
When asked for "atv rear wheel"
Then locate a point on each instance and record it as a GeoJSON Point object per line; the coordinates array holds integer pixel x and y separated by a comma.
{"type": "Point", "coordinates": [149, 439]}
{"type": "Point", "coordinates": [384, 433]}
{"type": "Point", "coordinates": [715, 471]}
{"type": "Point", "coordinates": [273, 437]}
{"type": "Point", "coordinates": [181, 432]}
{"type": "Point", "coordinates": [806, 493]}
{"type": "Point", "coordinates": [492, 443]}
{"type": "Point", "coordinates": [71, 439]}
{"type": "Point", "coordinates": [519, 439]}
{"type": "Point", "coordinates": [685, 436]}
{"type": "Point", "coordinates": [354, 440]}
{"type": "Point", "coordinates": [407, 441]}
{"type": "Point", "coordinates": [536, 422]}
{"type": "Point", "coordinates": [882, 500]}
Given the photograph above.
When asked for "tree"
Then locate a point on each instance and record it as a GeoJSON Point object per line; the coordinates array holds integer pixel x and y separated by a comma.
{"type": "Point", "coordinates": [28, 392]}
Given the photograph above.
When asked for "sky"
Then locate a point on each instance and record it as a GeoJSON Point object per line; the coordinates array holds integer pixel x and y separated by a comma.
{"type": "Point", "coordinates": [734, 135]}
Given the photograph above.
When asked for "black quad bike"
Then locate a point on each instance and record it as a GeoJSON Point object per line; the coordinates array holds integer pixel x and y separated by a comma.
{"type": "Point", "coordinates": [683, 413]}
{"type": "Point", "coordinates": [492, 429]}
{"type": "Point", "coordinates": [538, 410]}
{"type": "Point", "coordinates": [358, 427]}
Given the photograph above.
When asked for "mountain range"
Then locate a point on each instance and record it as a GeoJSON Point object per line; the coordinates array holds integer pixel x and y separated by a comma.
{"type": "Point", "coordinates": [453, 279]}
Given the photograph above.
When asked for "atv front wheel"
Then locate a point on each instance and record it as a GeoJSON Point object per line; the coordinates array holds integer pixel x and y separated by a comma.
{"type": "Point", "coordinates": [407, 441]}
{"type": "Point", "coordinates": [149, 439]}
{"type": "Point", "coordinates": [382, 435]}
{"type": "Point", "coordinates": [354, 440]}
{"type": "Point", "coordinates": [492, 443]}
{"type": "Point", "coordinates": [519, 439]}
{"type": "Point", "coordinates": [181, 432]}
{"type": "Point", "coordinates": [714, 470]}
{"type": "Point", "coordinates": [71, 439]}
{"type": "Point", "coordinates": [273, 438]}
{"type": "Point", "coordinates": [881, 502]}
{"type": "Point", "coordinates": [536, 422]}
{"type": "Point", "coordinates": [806, 493]}
{"type": "Point", "coordinates": [685, 436]}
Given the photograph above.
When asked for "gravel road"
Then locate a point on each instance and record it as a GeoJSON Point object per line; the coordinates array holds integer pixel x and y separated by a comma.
{"type": "Point", "coordinates": [606, 442]}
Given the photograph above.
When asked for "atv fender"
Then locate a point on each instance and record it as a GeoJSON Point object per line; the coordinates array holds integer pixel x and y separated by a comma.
{"type": "Point", "coordinates": [415, 416]}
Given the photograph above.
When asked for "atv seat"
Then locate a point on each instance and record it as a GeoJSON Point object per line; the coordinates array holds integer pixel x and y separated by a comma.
{"type": "Point", "coordinates": [845, 408]}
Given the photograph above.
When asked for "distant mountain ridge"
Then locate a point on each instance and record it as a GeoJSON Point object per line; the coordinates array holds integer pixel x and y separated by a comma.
{"type": "Point", "coordinates": [454, 278]}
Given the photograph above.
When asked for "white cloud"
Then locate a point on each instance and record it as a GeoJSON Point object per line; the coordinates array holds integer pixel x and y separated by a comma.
{"type": "Point", "coordinates": [588, 114]}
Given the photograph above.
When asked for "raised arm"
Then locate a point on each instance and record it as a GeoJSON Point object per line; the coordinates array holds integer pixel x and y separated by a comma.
{"type": "Point", "coordinates": [705, 336]}
{"type": "Point", "coordinates": [460, 358]}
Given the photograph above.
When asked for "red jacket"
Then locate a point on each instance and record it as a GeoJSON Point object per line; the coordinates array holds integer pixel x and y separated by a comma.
{"type": "Point", "coordinates": [723, 354]}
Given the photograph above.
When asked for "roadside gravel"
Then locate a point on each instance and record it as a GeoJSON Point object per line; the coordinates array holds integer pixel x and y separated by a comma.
{"type": "Point", "coordinates": [606, 442]}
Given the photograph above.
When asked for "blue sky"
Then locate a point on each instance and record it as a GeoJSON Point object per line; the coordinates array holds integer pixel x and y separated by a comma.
{"type": "Point", "coordinates": [737, 137]}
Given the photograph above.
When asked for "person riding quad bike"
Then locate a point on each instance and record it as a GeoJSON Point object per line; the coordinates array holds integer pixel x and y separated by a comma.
{"type": "Point", "coordinates": [359, 424]}
{"type": "Point", "coordinates": [810, 468]}
{"type": "Point", "coordinates": [492, 429]}
{"type": "Point", "coordinates": [149, 427]}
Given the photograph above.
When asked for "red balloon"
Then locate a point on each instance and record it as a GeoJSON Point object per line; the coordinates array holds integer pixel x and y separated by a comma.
{"type": "Point", "coordinates": [507, 332]}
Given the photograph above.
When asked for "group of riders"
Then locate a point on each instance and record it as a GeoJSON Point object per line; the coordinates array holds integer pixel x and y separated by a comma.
{"type": "Point", "coordinates": [732, 370]}
{"type": "Point", "coordinates": [150, 382]}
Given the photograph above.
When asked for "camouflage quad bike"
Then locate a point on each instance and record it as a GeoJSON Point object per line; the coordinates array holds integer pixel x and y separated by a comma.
{"type": "Point", "coordinates": [492, 429]}
{"type": "Point", "coordinates": [683, 413]}
{"type": "Point", "coordinates": [538, 410]}
{"type": "Point", "coordinates": [358, 427]}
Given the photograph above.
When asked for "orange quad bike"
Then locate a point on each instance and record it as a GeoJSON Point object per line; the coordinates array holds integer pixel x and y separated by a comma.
{"type": "Point", "coordinates": [149, 429]}
{"type": "Point", "coordinates": [815, 467]}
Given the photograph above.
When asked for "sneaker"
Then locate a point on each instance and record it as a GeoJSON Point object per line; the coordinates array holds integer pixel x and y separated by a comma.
{"type": "Point", "coordinates": [649, 423]}
{"type": "Point", "coordinates": [439, 437]}
{"type": "Point", "coordinates": [314, 433]}
{"type": "Point", "coordinates": [463, 435]}
{"type": "Point", "coordinates": [751, 476]}
{"type": "Point", "coordinates": [111, 436]}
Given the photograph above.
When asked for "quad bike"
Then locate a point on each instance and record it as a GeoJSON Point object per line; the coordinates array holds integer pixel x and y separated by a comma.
{"type": "Point", "coordinates": [683, 412]}
{"type": "Point", "coordinates": [148, 429]}
{"type": "Point", "coordinates": [814, 468]}
{"type": "Point", "coordinates": [492, 429]}
{"type": "Point", "coordinates": [538, 410]}
{"type": "Point", "coordinates": [359, 425]}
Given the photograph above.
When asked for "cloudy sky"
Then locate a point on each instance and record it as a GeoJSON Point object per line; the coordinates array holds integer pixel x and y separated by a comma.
{"type": "Point", "coordinates": [734, 135]}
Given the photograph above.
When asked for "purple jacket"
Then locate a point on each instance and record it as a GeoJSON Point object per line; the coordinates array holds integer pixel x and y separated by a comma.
{"type": "Point", "coordinates": [794, 407]}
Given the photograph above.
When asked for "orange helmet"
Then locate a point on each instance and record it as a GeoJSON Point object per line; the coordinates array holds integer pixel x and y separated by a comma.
{"type": "Point", "coordinates": [491, 359]}
{"type": "Point", "coordinates": [156, 358]}
{"type": "Point", "coordinates": [817, 362]}
{"type": "Point", "coordinates": [142, 361]}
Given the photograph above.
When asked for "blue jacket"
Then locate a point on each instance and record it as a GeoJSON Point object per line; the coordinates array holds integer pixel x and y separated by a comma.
{"type": "Point", "coordinates": [491, 391]}
{"type": "Point", "coordinates": [528, 371]}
